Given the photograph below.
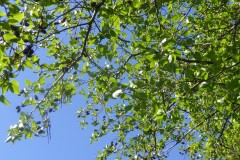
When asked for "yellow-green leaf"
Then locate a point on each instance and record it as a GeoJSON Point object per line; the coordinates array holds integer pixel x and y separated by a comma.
{"type": "Point", "coordinates": [9, 37]}
{"type": "Point", "coordinates": [41, 80]}
{"type": "Point", "coordinates": [27, 82]}
{"type": "Point", "coordinates": [14, 87]}
{"type": "Point", "coordinates": [18, 16]}
{"type": "Point", "coordinates": [2, 14]}
{"type": "Point", "coordinates": [29, 64]}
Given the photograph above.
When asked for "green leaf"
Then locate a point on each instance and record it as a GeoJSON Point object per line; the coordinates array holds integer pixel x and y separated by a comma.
{"type": "Point", "coordinates": [73, 41]}
{"type": "Point", "coordinates": [41, 80]}
{"type": "Point", "coordinates": [236, 57]}
{"type": "Point", "coordinates": [18, 16]}
{"type": "Point", "coordinates": [34, 126]}
{"type": "Point", "coordinates": [28, 64]}
{"type": "Point", "coordinates": [4, 100]}
{"type": "Point", "coordinates": [29, 135]}
{"type": "Point", "coordinates": [2, 14]}
{"type": "Point", "coordinates": [128, 108]}
{"type": "Point", "coordinates": [27, 82]}
{"type": "Point", "coordinates": [5, 88]}
{"type": "Point", "coordinates": [14, 8]}
{"type": "Point", "coordinates": [10, 37]}
{"type": "Point", "coordinates": [137, 3]}
{"type": "Point", "coordinates": [14, 87]}
{"type": "Point", "coordinates": [113, 33]}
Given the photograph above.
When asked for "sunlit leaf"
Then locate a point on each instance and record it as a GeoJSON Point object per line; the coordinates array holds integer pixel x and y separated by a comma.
{"type": "Point", "coordinates": [18, 16]}
{"type": "Point", "coordinates": [14, 87]}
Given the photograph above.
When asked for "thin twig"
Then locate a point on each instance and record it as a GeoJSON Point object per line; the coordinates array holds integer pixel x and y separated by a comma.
{"type": "Point", "coordinates": [194, 61]}
{"type": "Point", "coordinates": [189, 131]}
{"type": "Point", "coordinates": [83, 52]}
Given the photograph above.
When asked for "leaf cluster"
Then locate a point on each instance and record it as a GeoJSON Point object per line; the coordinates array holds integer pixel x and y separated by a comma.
{"type": "Point", "coordinates": [158, 74]}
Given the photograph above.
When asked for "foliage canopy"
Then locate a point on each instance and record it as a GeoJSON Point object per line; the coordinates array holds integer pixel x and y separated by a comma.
{"type": "Point", "coordinates": [159, 74]}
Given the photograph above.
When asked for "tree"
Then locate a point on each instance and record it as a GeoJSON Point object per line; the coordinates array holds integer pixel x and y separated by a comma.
{"type": "Point", "coordinates": [159, 74]}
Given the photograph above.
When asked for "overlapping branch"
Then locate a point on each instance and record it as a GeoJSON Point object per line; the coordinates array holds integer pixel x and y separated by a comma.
{"type": "Point", "coordinates": [80, 55]}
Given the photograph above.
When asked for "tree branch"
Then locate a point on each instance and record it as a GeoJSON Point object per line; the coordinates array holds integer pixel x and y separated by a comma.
{"type": "Point", "coordinates": [194, 61]}
{"type": "Point", "coordinates": [190, 130]}
{"type": "Point", "coordinates": [81, 54]}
